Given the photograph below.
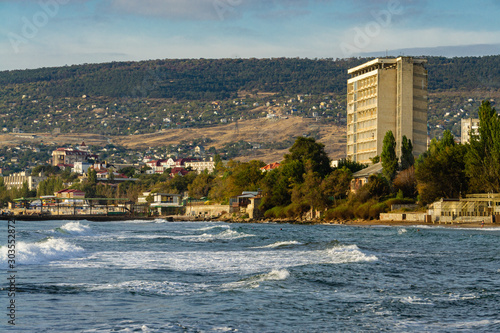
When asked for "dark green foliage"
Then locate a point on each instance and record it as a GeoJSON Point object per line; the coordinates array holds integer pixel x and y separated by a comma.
{"type": "Point", "coordinates": [407, 159]}
{"type": "Point", "coordinates": [351, 165]}
{"type": "Point", "coordinates": [388, 156]}
{"type": "Point", "coordinates": [342, 212]}
{"type": "Point", "coordinates": [50, 185]}
{"type": "Point", "coordinates": [307, 149]}
{"type": "Point", "coordinates": [376, 187]}
{"type": "Point", "coordinates": [442, 174]}
{"type": "Point", "coordinates": [483, 156]}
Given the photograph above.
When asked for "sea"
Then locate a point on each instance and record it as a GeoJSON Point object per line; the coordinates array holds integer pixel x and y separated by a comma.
{"type": "Point", "coordinates": [159, 276]}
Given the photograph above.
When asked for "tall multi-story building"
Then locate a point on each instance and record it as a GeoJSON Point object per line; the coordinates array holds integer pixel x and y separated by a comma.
{"type": "Point", "coordinates": [469, 126]}
{"type": "Point", "coordinates": [386, 95]}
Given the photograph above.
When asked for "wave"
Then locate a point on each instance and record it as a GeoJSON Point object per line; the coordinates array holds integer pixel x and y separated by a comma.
{"type": "Point", "coordinates": [416, 300]}
{"type": "Point", "coordinates": [164, 288]}
{"type": "Point", "coordinates": [228, 234]}
{"type": "Point", "coordinates": [214, 227]}
{"type": "Point", "coordinates": [402, 231]}
{"type": "Point", "coordinates": [279, 244]}
{"type": "Point", "coordinates": [256, 280]}
{"type": "Point", "coordinates": [76, 229]}
{"type": "Point", "coordinates": [348, 254]}
{"type": "Point", "coordinates": [249, 261]}
{"type": "Point", "coordinates": [50, 249]}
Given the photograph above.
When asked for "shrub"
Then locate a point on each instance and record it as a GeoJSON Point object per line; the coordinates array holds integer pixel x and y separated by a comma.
{"type": "Point", "coordinates": [376, 209]}
{"type": "Point", "coordinates": [343, 212]}
{"type": "Point", "coordinates": [295, 210]}
{"type": "Point", "coordinates": [275, 212]}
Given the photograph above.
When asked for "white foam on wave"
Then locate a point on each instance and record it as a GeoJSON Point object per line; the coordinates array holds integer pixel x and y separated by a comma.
{"type": "Point", "coordinates": [228, 234]}
{"type": "Point", "coordinates": [214, 227]}
{"type": "Point", "coordinates": [77, 229]}
{"type": "Point", "coordinates": [278, 244]}
{"type": "Point", "coordinates": [402, 231]}
{"type": "Point", "coordinates": [51, 249]}
{"type": "Point", "coordinates": [243, 262]}
{"type": "Point", "coordinates": [203, 238]}
{"type": "Point", "coordinates": [164, 288]}
{"type": "Point", "coordinates": [416, 300]}
{"type": "Point", "coordinates": [255, 281]}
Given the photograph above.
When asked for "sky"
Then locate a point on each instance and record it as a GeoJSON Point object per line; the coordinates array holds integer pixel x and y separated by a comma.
{"type": "Point", "coordinates": [49, 33]}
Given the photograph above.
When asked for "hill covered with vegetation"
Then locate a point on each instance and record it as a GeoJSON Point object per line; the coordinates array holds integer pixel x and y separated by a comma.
{"type": "Point", "coordinates": [210, 79]}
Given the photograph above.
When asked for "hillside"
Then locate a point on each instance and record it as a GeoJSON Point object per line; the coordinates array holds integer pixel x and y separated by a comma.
{"type": "Point", "coordinates": [225, 103]}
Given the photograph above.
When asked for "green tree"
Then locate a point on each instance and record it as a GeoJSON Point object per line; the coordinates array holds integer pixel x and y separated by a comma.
{"type": "Point", "coordinates": [92, 176]}
{"type": "Point", "coordinates": [201, 185]}
{"type": "Point", "coordinates": [351, 165]}
{"type": "Point", "coordinates": [407, 159]}
{"type": "Point", "coordinates": [308, 149]}
{"type": "Point", "coordinates": [336, 184]}
{"type": "Point", "coordinates": [388, 156]}
{"type": "Point", "coordinates": [483, 156]}
{"type": "Point", "coordinates": [442, 174]}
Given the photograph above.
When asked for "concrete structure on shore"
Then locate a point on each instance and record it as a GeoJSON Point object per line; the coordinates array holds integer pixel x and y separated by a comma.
{"type": "Point", "coordinates": [386, 95]}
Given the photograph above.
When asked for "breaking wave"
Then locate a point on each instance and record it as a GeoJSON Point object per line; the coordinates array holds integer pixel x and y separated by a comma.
{"type": "Point", "coordinates": [45, 251]}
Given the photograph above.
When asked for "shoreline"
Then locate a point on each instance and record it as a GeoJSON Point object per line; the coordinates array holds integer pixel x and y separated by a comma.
{"type": "Point", "coordinates": [181, 218]}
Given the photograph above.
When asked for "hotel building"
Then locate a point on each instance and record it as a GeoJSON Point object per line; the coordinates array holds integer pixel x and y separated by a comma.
{"type": "Point", "coordinates": [386, 95]}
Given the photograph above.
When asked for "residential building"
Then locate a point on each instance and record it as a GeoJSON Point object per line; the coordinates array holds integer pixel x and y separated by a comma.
{"type": "Point", "coordinates": [468, 126]}
{"type": "Point", "coordinates": [17, 180]}
{"type": "Point", "coordinates": [386, 95]}
{"type": "Point", "coordinates": [270, 167]}
{"type": "Point", "coordinates": [166, 200]}
{"type": "Point", "coordinates": [80, 167]}
{"type": "Point", "coordinates": [199, 151]}
{"type": "Point", "coordinates": [70, 194]}
{"type": "Point", "coordinates": [69, 156]}
{"type": "Point", "coordinates": [201, 166]}
{"type": "Point", "coordinates": [361, 177]}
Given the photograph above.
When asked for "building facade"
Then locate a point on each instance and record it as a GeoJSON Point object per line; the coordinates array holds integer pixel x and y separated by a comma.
{"type": "Point", "coordinates": [69, 156]}
{"type": "Point", "coordinates": [468, 126]}
{"type": "Point", "coordinates": [386, 95]}
{"type": "Point", "coordinates": [18, 179]}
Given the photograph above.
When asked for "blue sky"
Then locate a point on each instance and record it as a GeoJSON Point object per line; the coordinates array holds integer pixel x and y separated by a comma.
{"type": "Point", "coordinates": [44, 33]}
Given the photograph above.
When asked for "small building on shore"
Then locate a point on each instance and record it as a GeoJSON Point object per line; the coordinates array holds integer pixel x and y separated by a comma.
{"type": "Point", "coordinates": [472, 208]}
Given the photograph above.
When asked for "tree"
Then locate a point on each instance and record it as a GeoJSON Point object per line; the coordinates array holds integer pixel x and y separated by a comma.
{"type": "Point", "coordinates": [442, 174]}
{"type": "Point", "coordinates": [278, 184]}
{"type": "Point", "coordinates": [406, 182]}
{"type": "Point", "coordinates": [483, 156]}
{"type": "Point", "coordinates": [200, 186]}
{"type": "Point", "coordinates": [407, 159]}
{"type": "Point", "coordinates": [308, 149]}
{"type": "Point", "coordinates": [388, 156]}
{"type": "Point", "coordinates": [336, 184]}
{"type": "Point", "coordinates": [351, 165]}
{"type": "Point", "coordinates": [92, 176]}
{"type": "Point", "coordinates": [375, 159]}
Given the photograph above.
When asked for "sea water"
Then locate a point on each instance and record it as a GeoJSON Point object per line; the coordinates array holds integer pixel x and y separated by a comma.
{"type": "Point", "coordinates": [158, 276]}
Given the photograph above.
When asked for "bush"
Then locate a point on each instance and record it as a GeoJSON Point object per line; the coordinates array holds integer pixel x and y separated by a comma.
{"type": "Point", "coordinates": [295, 210]}
{"type": "Point", "coordinates": [342, 212]}
{"type": "Point", "coordinates": [376, 209]}
{"type": "Point", "coordinates": [363, 210]}
{"type": "Point", "coordinates": [275, 212]}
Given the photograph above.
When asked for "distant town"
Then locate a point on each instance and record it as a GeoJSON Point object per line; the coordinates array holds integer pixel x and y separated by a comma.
{"type": "Point", "coordinates": [391, 170]}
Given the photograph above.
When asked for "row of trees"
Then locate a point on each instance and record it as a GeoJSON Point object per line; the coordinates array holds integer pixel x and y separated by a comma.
{"type": "Point", "coordinates": [305, 182]}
